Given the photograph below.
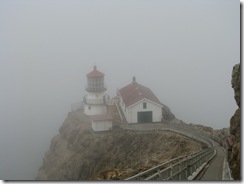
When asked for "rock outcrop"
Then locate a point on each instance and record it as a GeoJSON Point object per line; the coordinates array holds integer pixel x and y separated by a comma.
{"type": "Point", "coordinates": [236, 83]}
{"type": "Point", "coordinates": [235, 121]}
{"type": "Point", "coordinates": [167, 114]}
{"type": "Point", "coordinates": [77, 153]}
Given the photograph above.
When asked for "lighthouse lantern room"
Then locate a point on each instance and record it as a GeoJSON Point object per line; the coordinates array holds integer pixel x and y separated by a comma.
{"type": "Point", "coordinates": [96, 100]}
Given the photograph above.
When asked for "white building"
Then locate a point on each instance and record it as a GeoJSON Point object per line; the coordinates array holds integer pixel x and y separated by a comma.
{"type": "Point", "coordinates": [96, 100]}
{"type": "Point", "coordinates": [139, 104]}
{"type": "Point", "coordinates": [102, 122]}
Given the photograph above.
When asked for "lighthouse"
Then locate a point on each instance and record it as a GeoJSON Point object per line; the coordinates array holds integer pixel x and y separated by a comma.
{"type": "Point", "coordinates": [96, 99]}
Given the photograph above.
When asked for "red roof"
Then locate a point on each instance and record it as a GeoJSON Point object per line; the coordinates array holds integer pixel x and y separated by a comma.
{"type": "Point", "coordinates": [95, 73]}
{"type": "Point", "coordinates": [135, 92]}
{"type": "Point", "coordinates": [101, 117]}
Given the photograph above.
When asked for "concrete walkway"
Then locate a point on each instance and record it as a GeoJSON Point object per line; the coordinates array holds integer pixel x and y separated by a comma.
{"type": "Point", "coordinates": [215, 167]}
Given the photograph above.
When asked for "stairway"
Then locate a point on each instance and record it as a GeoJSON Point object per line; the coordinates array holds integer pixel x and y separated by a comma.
{"type": "Point", "coordinates": [122, 115]}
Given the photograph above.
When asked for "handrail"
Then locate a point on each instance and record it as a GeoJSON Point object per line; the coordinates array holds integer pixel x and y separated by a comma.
{"type": "Point", "coordinates": [182, 169]}
{"type": "Point", "coordinates": [154, 168]}
{"type": "Point", "coordinates": [121, 118]}
{"type": "Point", "coordinates": [121, 114]}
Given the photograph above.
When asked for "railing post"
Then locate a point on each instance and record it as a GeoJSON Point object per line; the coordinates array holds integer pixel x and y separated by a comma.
{"type": "Point", "coordinates": [200, 161]}
{"type": "Point", "coordinates": [197, 161]}
{"type": "Point", "coordinates": [180, 166]}
{"type": "Point", "coordinates": [171, 171]}
{"type": "Point", "coordinates": [189, 166]}
{"type": "Point", "coordinates": [159, 174]}
{"type": "Point", "coordinates": [193, 164]}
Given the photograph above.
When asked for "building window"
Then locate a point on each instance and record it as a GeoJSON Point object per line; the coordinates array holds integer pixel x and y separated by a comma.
{"type": "Point", "coordinates": [144, 105]}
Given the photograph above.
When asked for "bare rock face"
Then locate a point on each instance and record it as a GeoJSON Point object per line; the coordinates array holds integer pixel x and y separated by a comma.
{"type": "Point", "coordinates": [234, 156]}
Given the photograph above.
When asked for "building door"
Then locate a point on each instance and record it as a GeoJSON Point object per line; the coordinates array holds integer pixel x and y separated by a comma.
{"type": "Point", "coordinates": [144, 117]}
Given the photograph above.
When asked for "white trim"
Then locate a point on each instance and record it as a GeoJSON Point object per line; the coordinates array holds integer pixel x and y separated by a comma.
{"type": "Point", "coordinates": [143, 100]}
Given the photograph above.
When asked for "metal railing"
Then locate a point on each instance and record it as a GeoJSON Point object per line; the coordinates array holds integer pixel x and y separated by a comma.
{"type": "Point", "coordinates": [204, 135]}
{"type": "Point", "coordinates": [101, 101]}
{"type": "Point", "coordinates": [121, 114]}
{"type": "Point", "coordinates": [96, 87]}
{"type": "Point", "coordinates": [200, 136]}
{"type": "Point", "coordinates": [181, 168]}
{"type": "Point", "coordinates": [187, 132]}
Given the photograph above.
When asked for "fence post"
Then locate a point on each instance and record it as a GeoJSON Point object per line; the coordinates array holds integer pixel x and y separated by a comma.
{"type": "Point", "coordinates": [171, 171]}
{"type": "Point", "coordinates": [189, 166]}
{"type": "Point", "coordinates": [180, 166]}
{"type": "Point", "coordinates": [159, 174]}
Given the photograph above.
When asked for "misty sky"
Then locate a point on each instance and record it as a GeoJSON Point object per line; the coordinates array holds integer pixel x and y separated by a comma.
{"type": "Point", "coordinates": [183, 50]}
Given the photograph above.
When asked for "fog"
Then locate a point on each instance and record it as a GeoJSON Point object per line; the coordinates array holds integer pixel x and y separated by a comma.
{"type": "Point", "coordinates": [183, 50]}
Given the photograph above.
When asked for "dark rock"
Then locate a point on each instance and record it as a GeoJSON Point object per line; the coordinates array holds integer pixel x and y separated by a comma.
{"type": "Point", "coordinates": [236, 82]}
{"type": "Point", "coordinates": [235, 121]}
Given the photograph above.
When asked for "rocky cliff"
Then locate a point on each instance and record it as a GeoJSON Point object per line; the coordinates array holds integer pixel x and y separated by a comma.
{"type": "Point", "coordinates": [167, 114]}
{"type": "Point", "coordinates": [77, 153]}
{"type": "Point", "coordinates": [235, 121]}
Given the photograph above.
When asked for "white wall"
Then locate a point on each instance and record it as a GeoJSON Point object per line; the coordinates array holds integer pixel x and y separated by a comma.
{"type": "Point", "coordinates": [95, 109]}
{"type": "Point", "coordinates": [95, 98]}
{"type": "Point", "coordinates": [131, 112]}
{"type": "Point", "coordinates": [91, 95]}
{"type": "Point", "coordinates": [101, 125]}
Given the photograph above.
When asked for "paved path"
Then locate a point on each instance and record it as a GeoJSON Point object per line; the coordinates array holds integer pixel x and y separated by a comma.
{"type": "Point", "coordinates": [215, 168]}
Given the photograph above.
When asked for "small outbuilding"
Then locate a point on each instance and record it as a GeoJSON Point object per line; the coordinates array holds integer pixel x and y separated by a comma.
{"type": "Point", "coordinates": [139, 104]}
{"type": "Point", "coordinates": [102, 122]}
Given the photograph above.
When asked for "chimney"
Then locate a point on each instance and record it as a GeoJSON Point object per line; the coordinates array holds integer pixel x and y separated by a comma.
{"type": "Point", "coordinates": [134, 79]}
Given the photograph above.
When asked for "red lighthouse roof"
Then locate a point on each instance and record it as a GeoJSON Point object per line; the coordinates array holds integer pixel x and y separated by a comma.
{"type": "Point", "coordinates": [95, 73]}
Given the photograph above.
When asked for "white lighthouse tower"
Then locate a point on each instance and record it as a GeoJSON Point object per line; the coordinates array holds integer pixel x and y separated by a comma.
{"type": "Point", "coordinates": [96, 100]}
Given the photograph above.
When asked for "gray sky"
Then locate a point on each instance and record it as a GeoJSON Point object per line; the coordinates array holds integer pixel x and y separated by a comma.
{"type": "Point", "coordinates": [184, 50]}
